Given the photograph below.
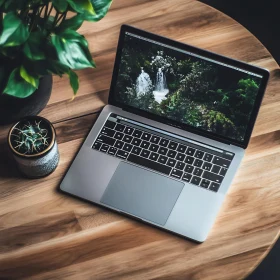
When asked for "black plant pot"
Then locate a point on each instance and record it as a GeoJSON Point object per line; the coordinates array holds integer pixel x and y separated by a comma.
{"type": "Point", "coordinates": [13, 109]}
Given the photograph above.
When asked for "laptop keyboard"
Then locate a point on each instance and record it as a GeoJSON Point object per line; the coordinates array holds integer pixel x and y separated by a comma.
{"type": "Point", "coordinates": [185, 162]}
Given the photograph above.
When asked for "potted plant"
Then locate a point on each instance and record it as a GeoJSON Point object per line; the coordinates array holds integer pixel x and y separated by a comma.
{"type": "Point", "coordinates": [38, 39]}
{"type": "Point", "coordinates": [33, 145]}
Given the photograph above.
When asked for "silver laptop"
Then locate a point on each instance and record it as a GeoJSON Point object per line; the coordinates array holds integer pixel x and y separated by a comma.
{"type": "Point", "coordinates": [166, 148]}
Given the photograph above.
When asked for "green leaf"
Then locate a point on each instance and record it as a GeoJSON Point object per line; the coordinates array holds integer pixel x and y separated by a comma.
{"type": "Point", "coordinates": [60, 5]}
{"type": "Point", "coordinates": [33, 48]}
{"type": "Point", "coordinates": [15, 32]}
{"type": "Point", "coordinates": [72, 50]}
{"type": "Point", "coordinates": [28, 78]}
{"type": "Point", "coordinates": [82, 6]}
{"type": "Point", "coordinates": [74, 81]}
{"type": "Point", "coordinates": [100, 7]}
{"type": "Point", "coordinates": [73, 23]}
{"type": "Point", "coordinates": [17, 86]}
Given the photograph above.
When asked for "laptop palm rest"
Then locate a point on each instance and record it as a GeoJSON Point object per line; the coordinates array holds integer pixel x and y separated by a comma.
{"type": "Point", "coordinates": [142, 193]}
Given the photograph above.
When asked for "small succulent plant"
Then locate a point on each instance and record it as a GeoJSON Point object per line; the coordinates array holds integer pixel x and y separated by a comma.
{"type": "Point", "coordinates": [31, 138]}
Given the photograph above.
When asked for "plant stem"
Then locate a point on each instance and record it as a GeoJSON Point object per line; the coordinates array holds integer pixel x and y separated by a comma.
{"type": "Point", "coordinates": [49, 13]}
{"type": "Point", "coordinates": [38, 15]}
{"type": "Point", "coordinates": [46, 11]}
{"type": "Point", "coordinates": [61, 18]}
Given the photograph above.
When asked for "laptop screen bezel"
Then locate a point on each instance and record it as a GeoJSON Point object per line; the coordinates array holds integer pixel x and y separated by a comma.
{"type": "Point", "coordinates": [201, 52]}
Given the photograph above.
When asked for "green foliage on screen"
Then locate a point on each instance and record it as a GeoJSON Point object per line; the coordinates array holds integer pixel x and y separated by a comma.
{"type": "Point", "coordinates": [201, 94]}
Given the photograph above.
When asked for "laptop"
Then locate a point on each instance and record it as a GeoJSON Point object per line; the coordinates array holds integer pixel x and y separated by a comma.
{"type": "Point", "coordinates": [169, 143]}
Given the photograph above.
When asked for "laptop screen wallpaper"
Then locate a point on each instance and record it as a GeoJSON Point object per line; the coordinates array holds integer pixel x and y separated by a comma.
{"type": "Point", "coordinates": [185, 87]}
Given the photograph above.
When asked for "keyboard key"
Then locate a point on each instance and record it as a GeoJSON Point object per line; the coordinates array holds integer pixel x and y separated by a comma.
{"type": "Point", "coordinates": [155, 139]}
{"type": "Point", "coordinates": [136, 141]}
{"type": "Point", "coordinates": [214, 187]}
{"type": "Point", "coordinates": [190, 151]}
{"type": "Point", "coordinates": [137, 133]}
{"type": "Point", "coordinates": [189, 160]}
{"type": "Point", "coordinates": [96, 145]}
{"type": "Point", "coordinates": [110, 124]}
{"type": "Point", "coordinates": [112, 151]}
{"type": "Point", "coordinates": [208, 157]}
{"type": "Point", "coordinates": [172, 145]}
{"type": "Point", "coordinates": [162, 150]}
{"type": "Point", "coordinates": [107, 131]}
{"type": "Point", "coordinates": [180, 157]}
{"type": "Point", "coordinates": [189, 168]}
{"type": "Point", "coordinates": [145, 153]}
{"type": "Point", "coordinates": [198, 162]}
{"type": "Point", "coordinates": [128, 130]}
{"type": "Point", "coordinates": [127, 147]}
{"type": "Point", "coordinates": [145, 144]}
{"type": "Point", "coordinates": [171, 154]}
{"type": "Point", "coordinates": [221, 162]}
{"type": "Point", "coordinates": [195, 180]}
{"type": "Point", "coordinates": [216, 169]}
{"type": "Point", "coordinates": [181, 148]}
{"type": "Point", "coordinates": [197, 171]}
{"type": "Point", "coordinates": [118, 135]}
{"type": "Point", "coordinates": [205, 183]}
{"type": "Point", "coordinates": [120, 127]}
{"type": "Point", "coordinates": [180, 165]}
{"type": "Point", "coordinates": [171, 162]}
{"type": "Point", "coordinates": [104, 148]}
{"type": "Point", "coordinates": [163, 142]}
{"type": "Point", "coordinates": [207, 166]}
{"type": "Point", "coordinates": [176, 173]}
{"type": "Point", "coordinates": [187, 177]}
{"type": "Point", "coordinates": [162, 159]}
{"type": "Point", "coordinates": [149, 164]}
{"type": "Point", "coordinates": [146, 136]}
{"type": "Point", "coordinates": [154, 147]}
{"type": "Point", "coordinates": [212, 177]}
{"type": "Point", "coordinates": [119, 144]}
{"type": "Point", "coordinates": [136, 150]}
{"type": "Point", "coordinates": [223, 171]}
{"type": "Point", "coordinates": [127, 138]}
{"type": "Point", "coordinates": [199, 154]}
{"type": "Point", "coordinates": [122, 154]}
{"type": "Point", "coordinates": [106, 140]}
{"type": "Point", "coordinates": [154, 156]}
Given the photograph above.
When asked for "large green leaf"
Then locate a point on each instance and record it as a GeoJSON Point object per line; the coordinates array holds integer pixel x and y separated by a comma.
{"type": "Point", "coordinates": [15, 32]}
{"type": "Point", "coordinates": [73, 23]}
{"type": "Point", "coordinates": [28, 78]}
{"type": "Point", "coordinates": [60, 5]}
{"type": "Point", "coordinates": [17, 86]}
{"type": "Point", "coordinates": [82, 6]}
{"type": "Point", "coordinates": [74, 81]}
{"type": "Point", "coordinates": [72, 50]}
{"type": "Point", "coordinates": [100, 7]}
{"type": "Point", "coordinates": [33, 48]}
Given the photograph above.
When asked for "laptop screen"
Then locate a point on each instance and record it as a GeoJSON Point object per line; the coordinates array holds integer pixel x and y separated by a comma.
{"type": "Point", "coordinates": [186, 87]}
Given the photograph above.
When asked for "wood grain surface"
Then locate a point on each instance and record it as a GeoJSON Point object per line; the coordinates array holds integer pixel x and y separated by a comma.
{"type": "Point", "coordinates": [47, 235]}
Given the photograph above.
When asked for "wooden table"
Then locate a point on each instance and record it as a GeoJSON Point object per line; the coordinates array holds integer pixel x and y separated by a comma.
{"type": "Point", "coordinates": [48, 235]}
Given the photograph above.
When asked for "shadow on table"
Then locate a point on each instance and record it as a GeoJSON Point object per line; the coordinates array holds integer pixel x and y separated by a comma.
{"type": "Point", "coordinates": [8, 167]}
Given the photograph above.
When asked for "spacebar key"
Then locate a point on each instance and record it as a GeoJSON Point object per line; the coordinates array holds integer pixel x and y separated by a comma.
{"type": "Point", "coordinates": [149, 164]}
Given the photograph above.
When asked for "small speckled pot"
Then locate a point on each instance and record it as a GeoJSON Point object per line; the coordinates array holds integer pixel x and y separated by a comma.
{"type": "Point", "coordinates": [38, 164]}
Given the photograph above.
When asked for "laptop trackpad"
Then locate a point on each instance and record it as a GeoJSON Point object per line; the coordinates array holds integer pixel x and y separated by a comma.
{"type": "Point", "coordinates": [142, 193]}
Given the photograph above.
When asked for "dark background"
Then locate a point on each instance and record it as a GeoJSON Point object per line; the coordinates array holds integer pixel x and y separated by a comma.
{"type": "Point", "coordinates": [262, 18]}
